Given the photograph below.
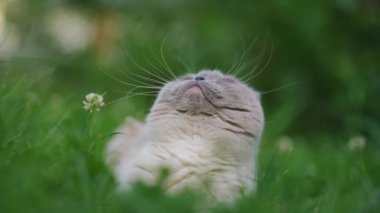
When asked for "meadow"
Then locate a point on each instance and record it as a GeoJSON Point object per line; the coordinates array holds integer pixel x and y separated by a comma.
{"type": "Point", "coordinates": [52, 161]}
{"type": "Point", "coordinates": [315, 63]}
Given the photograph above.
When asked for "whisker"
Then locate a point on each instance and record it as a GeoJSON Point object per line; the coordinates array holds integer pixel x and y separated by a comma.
{"type": "Point", "coordinates": [142, 68]}
{"type": "Point", "coordinates": [125, 51]}
{"type": "Point", "coordinates": [129, 84]}
{"type": "Point", "coordinates": [235, 63]}
{"type": "Point", "coordinates": [258, 58]}
{"type": "Point", "coordinates": [278, 88]}
{"type": "Point", "coordinates": [143, 94]}
{"type": "Point", "coordinates": [155, 75]}
{"type": "Point", "coordinates": [125, 98]}
{"type": "Point", "coordinates": [124, 92]}
{"type": "Point", "coordinates": [162, 65]}
{"type": "Point", "coordinates": [187, 67]}
{"type": "Point", "coordinates": [265, 66]}
{"type": "Point", "coordinates": [163, 58]}
{"type": "Point", "coordinates": [149, 91]}
{"type": "Point", "coordinates": [139, 82]}
{"type": "Point", "coordinates": [242, 67]}
{"type": "Point", "coordinates": [157, 68]}
{"type": "Point", "coordinates": [252, 70]}
{"type": "Point", "coordinates": [131, 91]}
{"type": "Point", "coordinates": [152, 80]}
{"type": "Point", "coordinates": [130, 95]}
{"type": "Point", "coordinates": [237, 71]}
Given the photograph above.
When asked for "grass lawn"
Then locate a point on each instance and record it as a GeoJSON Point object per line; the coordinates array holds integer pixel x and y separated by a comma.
{"type": "Point", "coordinates": [51, 160]}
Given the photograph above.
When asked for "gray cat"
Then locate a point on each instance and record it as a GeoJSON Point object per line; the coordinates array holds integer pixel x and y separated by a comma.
{"type": "Point", "coordinates": [205, 128]}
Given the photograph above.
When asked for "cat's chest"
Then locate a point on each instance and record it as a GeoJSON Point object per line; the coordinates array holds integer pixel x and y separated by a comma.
{"type": "Point", "coordinates": [174, 154]}
{"type": "Point", "coordinates": [189, 158]}
{"type": "Point", "coordinates": [192, 162]}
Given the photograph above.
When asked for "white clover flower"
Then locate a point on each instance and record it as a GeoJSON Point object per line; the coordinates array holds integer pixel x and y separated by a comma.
{"type": "Point", "coordinates": [93, 102]}
{"type": "Point", "coordinates": [285, 144]}
{"type": "Point", "coordinates": [356, 143]}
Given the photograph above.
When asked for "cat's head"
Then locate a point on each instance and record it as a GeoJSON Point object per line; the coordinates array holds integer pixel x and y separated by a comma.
{"type": "Point", "coordinates": [212, 93]}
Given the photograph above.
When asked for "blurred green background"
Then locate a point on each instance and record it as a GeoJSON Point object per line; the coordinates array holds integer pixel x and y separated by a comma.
{"type": "Point", "coordinates": [316, 63]}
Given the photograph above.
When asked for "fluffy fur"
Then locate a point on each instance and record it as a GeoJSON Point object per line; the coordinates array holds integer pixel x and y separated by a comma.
{"type": "Point", "coordinates": [205, 130]}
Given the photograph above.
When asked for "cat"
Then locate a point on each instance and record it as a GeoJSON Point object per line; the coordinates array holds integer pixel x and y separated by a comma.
{"type": "Point", "coordinates": [204, 127]}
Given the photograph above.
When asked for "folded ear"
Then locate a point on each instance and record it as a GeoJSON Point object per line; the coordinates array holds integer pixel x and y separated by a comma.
{"type": "Point", "coordinates": [124, 144]}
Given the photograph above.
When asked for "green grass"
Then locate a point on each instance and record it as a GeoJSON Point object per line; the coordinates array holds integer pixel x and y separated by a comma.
{"type": "Point", "coordinates": [51, 160]}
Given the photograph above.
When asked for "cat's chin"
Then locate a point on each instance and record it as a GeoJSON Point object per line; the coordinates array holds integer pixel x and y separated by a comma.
{"type": "Point", "coordinates": [194, 101]}
{"type": "Point", "coordinates": [194, 94]}
{"type": "Point", "coordinates": [195, 89]}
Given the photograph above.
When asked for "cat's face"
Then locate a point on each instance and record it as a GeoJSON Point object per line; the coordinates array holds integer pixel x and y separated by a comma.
{"type": "Point", "coordinates": [207, 92]}
{"type": "Point", "coordinates": [212, 93]}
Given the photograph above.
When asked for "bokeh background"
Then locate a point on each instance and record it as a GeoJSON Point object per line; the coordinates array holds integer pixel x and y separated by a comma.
{"type": "Point", "coordinates": [316, 63]}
